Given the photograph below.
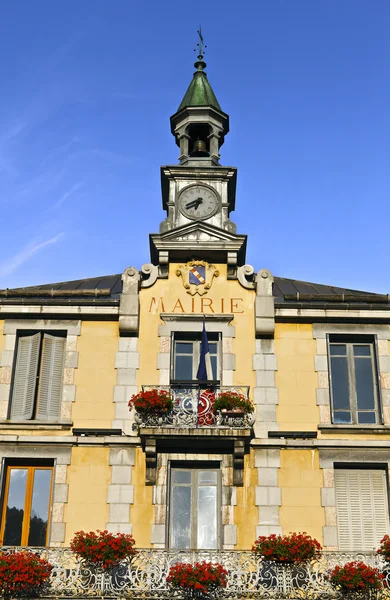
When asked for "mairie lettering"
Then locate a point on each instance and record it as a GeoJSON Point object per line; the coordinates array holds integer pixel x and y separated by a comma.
{"type": "Point", "coordinates": [197, 305]}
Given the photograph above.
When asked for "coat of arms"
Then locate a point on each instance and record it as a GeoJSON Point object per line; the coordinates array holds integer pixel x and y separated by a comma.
{"type": "Point", "coordinates": [197, 276]}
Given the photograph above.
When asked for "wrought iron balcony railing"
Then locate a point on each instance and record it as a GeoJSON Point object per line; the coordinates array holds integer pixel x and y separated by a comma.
{"type": "Point", "coordinates": [248, 576]}
{"type": "Point", "coordinates": [193, 407]}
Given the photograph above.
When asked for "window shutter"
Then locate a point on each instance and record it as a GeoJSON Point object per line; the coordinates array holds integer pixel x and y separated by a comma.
{"type": "Point", "coordinates": [22, 403]}
{"type": "Point", "coordinates": [362, 512]}
{"type": "Point", "coordinates": [51, 377]}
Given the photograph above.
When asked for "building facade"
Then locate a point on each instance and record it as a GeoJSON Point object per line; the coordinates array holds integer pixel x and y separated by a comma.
{"type": "Point", "coordinates": [314, 360]}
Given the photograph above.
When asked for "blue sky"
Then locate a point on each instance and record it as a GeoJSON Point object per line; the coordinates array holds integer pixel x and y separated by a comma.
{"type": "Point", "coordinates": [87, 91]}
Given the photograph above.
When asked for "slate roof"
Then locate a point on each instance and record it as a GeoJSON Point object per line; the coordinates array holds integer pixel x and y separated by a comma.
{"type": "Point", "coordinates": [284, 286]}
{"type": "Point", "coordinates": [111, 282]}
{"type": "Point", "coordinates": [285, 291]}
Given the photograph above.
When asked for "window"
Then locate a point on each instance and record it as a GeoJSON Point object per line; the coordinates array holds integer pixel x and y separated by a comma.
{"type": "Point", "coordinates": [353, 379]}
{"type": "Point", "coordinates": [362, 508]}
{"type": "Point", "coordinates": [38, 376]}
{"type": "Point", "coordinates": [26, 508]}
{"type": "Point", "coordinates": [186, 355]}
{"type": "Point", "coordinates": [194, 508]}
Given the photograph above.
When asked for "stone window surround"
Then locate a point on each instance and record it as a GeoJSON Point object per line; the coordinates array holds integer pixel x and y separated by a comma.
{"type": "Point", "coordinates": [120, 493]}
{"type": "Point", "coordinates": [11, 328]}
{"type": "Point", "coordinates": [268, 493]}
{"type": "Point", "coordinates": [127, 362]}
{"type": "Point", "coordinates": [328, 458]}
{"type": "Point", "coordinates": [159, 535]}
{"type": "Point", "coordinates": [193, 323]}
{"type": "Point", "coordinates": [61, 458]}
{"type": "Point", "coordinates": [382, 335]}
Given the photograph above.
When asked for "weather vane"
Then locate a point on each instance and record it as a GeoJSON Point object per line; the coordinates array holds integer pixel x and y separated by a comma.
{"type": "Point", "coordinates": [201, 46]}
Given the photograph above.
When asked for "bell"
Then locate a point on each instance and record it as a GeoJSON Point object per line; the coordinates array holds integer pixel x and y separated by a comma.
{"type": "Point", "coordinates": [199, 148]}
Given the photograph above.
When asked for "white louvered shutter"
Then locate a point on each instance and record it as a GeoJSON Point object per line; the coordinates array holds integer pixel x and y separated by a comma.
{"type": "Point", "coordinates": [362, 509]}
{"type": "Point", "coordinates": [22, 403]}
{"type": "Point", "coordinates": [51, 377]}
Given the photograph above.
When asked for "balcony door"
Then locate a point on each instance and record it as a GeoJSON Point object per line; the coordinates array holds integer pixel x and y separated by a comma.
{"type": "Point", "coordinates": [186, 355]}
{"type": "Point", "coordinates": [195, 509]}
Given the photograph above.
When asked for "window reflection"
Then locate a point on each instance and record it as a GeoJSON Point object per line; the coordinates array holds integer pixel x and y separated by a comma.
{"type": "Point", "coordinates": [15, 507]}
{"type": "Point", "coordinates": [353, 383]}
{"type": "Point", "coordinates": [194, 520]}
{"type": "Point", "coordinates": [40, 508]}
{"type": "Point", "coordinates": [26, 511]}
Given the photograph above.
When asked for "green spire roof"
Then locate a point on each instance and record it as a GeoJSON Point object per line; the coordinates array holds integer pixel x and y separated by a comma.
{"type": "Point", "coordinates": [199, 92]}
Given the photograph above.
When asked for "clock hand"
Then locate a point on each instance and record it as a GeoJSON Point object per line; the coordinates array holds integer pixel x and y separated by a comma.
{"type": "Point", "coordinates": [194, 203]}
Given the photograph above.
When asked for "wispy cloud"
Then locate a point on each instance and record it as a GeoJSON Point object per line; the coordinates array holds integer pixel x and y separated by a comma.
{"type": "Point", "coordinates": [113, 156]}
{"type": "Point", "coordinates": [12, 132]}
{"type": "Point", "coordinates": [68, 193]}
{"type": "Point", "coordinates": [5, 163]}
{"type": "Point", "coordinates": [14, 262]}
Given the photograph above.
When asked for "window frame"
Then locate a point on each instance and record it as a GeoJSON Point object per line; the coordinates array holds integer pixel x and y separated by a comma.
{"type": "Point", "coordinates": [31, 467]}
{"type": "Point", "coordinates": [24, 333]}
{"type": "Point", "coordinates": [191, 337]}
{"type": "Point", "coordinates": [195, 467]}
{"type": "Point", "coordinates": [361, 468]}
{"type": "Point", "coordinates": [350, 340]}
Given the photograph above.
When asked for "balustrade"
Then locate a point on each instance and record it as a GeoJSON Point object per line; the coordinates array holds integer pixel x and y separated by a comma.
{"type": "Point", "coordinates": [193, 407]}
{"type": "Point", "coordinates": [248, 576]}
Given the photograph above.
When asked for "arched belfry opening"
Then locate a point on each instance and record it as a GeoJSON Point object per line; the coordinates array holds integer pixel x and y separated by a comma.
{"type": "Point", "coordinates": [199, 140]}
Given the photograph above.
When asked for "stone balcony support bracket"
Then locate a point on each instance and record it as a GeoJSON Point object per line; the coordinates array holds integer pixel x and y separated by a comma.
{"type": "Point", "coordinates": [129, 302]}
{"type": "Point", "coordinates": [157, 440]}
{"type": "Point", "coordinates": [264, 304]}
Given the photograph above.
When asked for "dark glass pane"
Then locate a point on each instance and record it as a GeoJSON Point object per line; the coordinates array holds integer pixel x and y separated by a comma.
{"type": "Point", "coordinates": [338, 349]}
{"type": "Point", "coordinates": [213, 347]}
{"type": "Point", "coordinates": [340, 387]}
{"type": "Point", "coordinates": [181, 517]}
{"type": "Point", "coordinates": [207, 477]}
{"type": "Point", "coordinates": [342, 417]}
{"type": "Point", "coordinates": [15, 507]}
{"type": "Point", "coordinates": [184, 348]}
{"type": "Point", "coordinates": [214, 366]}
{"type": "Point", "coordinates": [366, 417]}
{"type": "Point", "coordinates": [40, 507]}
{"type": "Point", "coordinates": [362, 350]}
{"type": "Point", "coordinates": [364, 383]}
{"type": "Point", "coordinates": [183, 368]}
{"type": "Point", "coordinates": [207, 517]}
{"type": "Point", "coordinates": [181, 476]}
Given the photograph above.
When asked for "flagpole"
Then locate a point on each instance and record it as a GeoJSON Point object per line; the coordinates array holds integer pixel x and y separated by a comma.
{"type": "Point", "coordinates": [202, 374]}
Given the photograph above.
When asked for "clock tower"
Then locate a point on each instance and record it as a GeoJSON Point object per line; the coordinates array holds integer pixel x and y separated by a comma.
{"type": "Point", "coordinates": [198, 194]}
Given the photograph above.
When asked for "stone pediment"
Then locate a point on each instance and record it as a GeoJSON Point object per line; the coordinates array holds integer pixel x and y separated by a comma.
{"type": "Point", "coordinates": [200, 239]}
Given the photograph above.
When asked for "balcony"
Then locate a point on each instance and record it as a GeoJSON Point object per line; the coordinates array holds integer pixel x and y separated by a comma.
{"type": "Point", "coordinates": [248, 576]}
{"type": "Point", "coordinates": [193, 408]}
{"type": "Point", "coordinates": [193, 427]}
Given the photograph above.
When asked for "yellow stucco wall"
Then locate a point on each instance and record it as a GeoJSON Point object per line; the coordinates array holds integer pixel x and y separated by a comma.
{"type": "Point", "coordinates": [142, 511]}
{"type": "Point", "coordinates": [300, 480]}
{"type": "Point", "coordinates": [88, 476]}
{"type": "Point", "coordinates": [95, 377]}
{"type": "Point", "coordinates": [246, 512]}
{"type": "Point", "coordinates": [296, 378]}
{"type": "Point", "coordinates": [171, 296]}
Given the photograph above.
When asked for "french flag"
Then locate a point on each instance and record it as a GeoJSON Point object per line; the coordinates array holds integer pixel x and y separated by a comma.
{"type": "Point", "coordinates": [205, 371]}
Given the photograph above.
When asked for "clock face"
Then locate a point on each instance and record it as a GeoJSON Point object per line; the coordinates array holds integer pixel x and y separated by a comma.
{"type": "Point", "coordinates": [198, 202]}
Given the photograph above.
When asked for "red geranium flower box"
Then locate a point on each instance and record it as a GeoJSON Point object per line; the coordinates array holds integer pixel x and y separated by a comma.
{"type": "Point", "coordinates": [384, 548]}
{"type": "Point", "coordinates": [356, 577]}
{"type": "Point", "coordinates": [152, 401]}
{"type": "Point", "coordinates": [292, 548]}
{"type": "Point", "coordinates": [22, 574]}
{"type": "Point", "coordinates": [198, 579]}
{"type": "Point", "coordinates": [102, 548]}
